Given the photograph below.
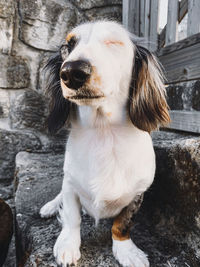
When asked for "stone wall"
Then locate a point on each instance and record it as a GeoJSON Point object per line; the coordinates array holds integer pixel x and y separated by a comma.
{"type": "Point", "coordinates": [184, 96]}
{"type": "Point", "coordinates": [30, 30]}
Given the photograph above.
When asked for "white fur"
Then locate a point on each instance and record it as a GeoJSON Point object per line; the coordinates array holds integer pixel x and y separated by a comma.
{"type": "Point", "coordinates": [128, 254]}
{"type": "Point", "coordinates": [107, 159]}
{"type": "Point", "coordinates": [51, 207]}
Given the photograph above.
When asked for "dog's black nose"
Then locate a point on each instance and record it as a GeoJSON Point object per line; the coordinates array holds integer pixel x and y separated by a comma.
{"type": "Point", "coordinates": [75, 73]}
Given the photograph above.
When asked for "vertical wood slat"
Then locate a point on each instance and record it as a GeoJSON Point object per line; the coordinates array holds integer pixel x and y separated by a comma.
{"type": "Point", "coordinates": [183, 8]}
{"type": "Point", "coordinates": [127, 15]}
{"type": "Point", "coordinates": [142, 21]}
{"type": "Point", "coordinates": [193, 17]}
{"type": "Point", "coordinates": [147, 18]}
{"type": "Point", "coordinates": [136, 17]}
{"type": "Point", "coordinates": [130, 16]}
{"type": "Point", "coordinates": [153, 33]}
{"type": "Point", "coordinates": [172, 22]}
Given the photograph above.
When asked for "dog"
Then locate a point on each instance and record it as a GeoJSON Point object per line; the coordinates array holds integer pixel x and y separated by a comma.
{"type": "Point", "coordinates": [110, 91]}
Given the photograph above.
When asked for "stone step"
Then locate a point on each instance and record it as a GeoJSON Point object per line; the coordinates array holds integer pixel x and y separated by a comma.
{"type": "Point", "coordinates": [167, 227]}
{"type": "Point", "coordinates": [14, 141]}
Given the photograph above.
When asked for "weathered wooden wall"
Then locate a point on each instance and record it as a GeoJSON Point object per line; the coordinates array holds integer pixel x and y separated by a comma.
{"type": "Point", "coordinates": [181, 60]}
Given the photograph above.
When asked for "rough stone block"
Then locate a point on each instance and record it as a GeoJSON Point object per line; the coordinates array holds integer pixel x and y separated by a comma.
{"type": "Point", "coordinates": [11, 142]}
{"type": "Point", "coordinates": [7, 13]}
{"type": "Point", "coordinates": [177, 180]}
{"type": "Point", "coordinates": [45, 23]}
{"type": "Point", "coordinates": [14, 72]}
{"type": "Point", "coordinates": [107, 12]}
{"type": "Point", "coordinates": [4, 103]}
{"type": "Point", "coordinates": [28, 109]}
{"type": "Point", "coordinates": [85, 4]}
{"type": "Point", "coordinates": [196, 96]}
{"type": "Point", "coordinates": [184, 96]}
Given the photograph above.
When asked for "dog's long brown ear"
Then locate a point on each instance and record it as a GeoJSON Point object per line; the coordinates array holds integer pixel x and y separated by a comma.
{"type": "Point", "coordinates": [148, 108]}
{"type": "Point", "coordinates": [59, 106]}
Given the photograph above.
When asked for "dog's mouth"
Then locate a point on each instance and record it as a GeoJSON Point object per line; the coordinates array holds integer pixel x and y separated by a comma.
{"type": "Point", "coordinates": [83, 97]}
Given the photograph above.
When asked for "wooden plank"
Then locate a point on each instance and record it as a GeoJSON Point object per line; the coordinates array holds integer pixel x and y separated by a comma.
{"type": "Point", "coordinates": [127, 17]}
{"type": "Point", "coordinates": [172, 22]}
{"type": "Point", "coordinates": [130, 16]}
{"type": "Point", "coordinates": [182, 65]}
{"type": "Point", "coordinates": [147, 18]}
{"type": "Point", "coordinates": [188, 121]}
{"type": "Point", "coordinates": [179, 45]}
{"type": "Point", "coordinates": [153, 33]}
{"type": "Point", "coordinates": [147, 22]}
{"type": "Point", "coordinates": [142, 16]}
{"type": "Point", "coordinates": [161, 38]}
{"type": "Point", "coordinates": [183, 8]}
{"type": "Point", "coordinates": [125, 13]}
{"type": "Point", "coordinates": [193, 17]}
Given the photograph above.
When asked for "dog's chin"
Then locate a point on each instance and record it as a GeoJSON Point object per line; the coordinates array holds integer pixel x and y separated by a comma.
{"type": "Point", "coordinates": [86, 100]}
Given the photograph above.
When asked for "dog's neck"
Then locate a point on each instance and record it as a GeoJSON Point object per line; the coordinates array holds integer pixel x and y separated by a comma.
{"type": "Point", "coordinates": [103, 116]}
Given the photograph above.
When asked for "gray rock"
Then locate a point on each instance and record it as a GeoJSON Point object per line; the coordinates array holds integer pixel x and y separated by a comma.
{"type": "Point", "coordinates": [4, 103]}
{"type": "Point", "coordinates": [85, 4]}
{"type": "Point", "coordinates": [106, 12]}
{"type": "Point", "coordinates": [14, 72]}
{"type": "Point", "coordinates": [184, 95]}
{"type": "Point", "coordinates": [179, 184]}
{"type": "Point", "coordinates": [174, 94]}
{"type": "Point", "coordinates": [177, 187]}
{"type": "Point", "coordinates": [11, 142]}
{"type": "Point", "coordinates": [39, 177]}
{"type": "Point", "coordinates": [45, 23]}
{"type": "Point", "coordinates": [7, 11]}
{"type": "Point", "coordinates": [196, 96]}
{"type": "Point", "coordinates": [28, 109]}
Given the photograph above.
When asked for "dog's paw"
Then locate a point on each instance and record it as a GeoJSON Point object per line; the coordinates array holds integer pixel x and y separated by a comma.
{"type": "Point", "coordinates": [48, 210]}
{"type": "Point", "coordinates": [67, 248]}
{"type": "Point", "coordinates": [128, 254]}
{"type": "Point", "coordinates": [52, 207]}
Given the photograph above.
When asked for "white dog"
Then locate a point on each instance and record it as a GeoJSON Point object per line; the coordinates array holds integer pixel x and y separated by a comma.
{"type": "Point", "coordinates": [111, 92]}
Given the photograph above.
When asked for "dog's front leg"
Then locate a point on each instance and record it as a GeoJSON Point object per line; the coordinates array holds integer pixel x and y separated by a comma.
{"type": "Point", "coordinates": [124, 250]}
{"type": "Point", "coordinates": [67, 246]}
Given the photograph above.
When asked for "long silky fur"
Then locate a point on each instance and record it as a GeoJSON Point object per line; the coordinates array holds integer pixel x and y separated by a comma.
{"type": "Point", "coordinates": [148, 108]}
{"type": "Point", "coordinates": [59, 106]}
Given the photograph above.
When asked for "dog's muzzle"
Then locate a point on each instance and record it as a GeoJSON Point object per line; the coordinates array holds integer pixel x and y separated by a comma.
{"type": "Point", "coordinates": [74, 74]}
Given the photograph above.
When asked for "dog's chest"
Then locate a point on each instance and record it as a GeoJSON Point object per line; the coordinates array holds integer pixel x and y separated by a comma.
{"type": "Point", "coordinates": [101, 170]}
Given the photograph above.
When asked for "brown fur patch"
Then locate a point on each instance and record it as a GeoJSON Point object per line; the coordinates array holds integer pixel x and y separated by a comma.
{"type": "Point", "coordinates": [109, 114]}
{"type": "Point", "coordinates": [69, 36]}
{"type": "Point", "coordinates": [95, 77]}
{"type": "Point", "coordinates": [148, 107]}
{"type": "Point", "coordinates": [123, 222]}
{"type": "Point", "coordinates": [113, 42]}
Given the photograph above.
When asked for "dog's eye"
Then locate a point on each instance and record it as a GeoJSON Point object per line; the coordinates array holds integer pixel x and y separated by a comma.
{"type": "Point", "coordinates": [71, 44]}
{"type": "Point", "coordinates": [113, 42]}
{"type": "Point", "coordinates": [66, 49]}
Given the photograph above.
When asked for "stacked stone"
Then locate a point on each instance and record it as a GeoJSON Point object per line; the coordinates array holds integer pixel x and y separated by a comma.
{"type": "Point", "coordinates": [184, 96]}
{"type": "Point", "coordinates": [30, 31]}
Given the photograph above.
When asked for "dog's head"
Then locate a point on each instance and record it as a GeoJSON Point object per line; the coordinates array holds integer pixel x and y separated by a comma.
{"type": "Point", "coordinates": [99, 62]}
